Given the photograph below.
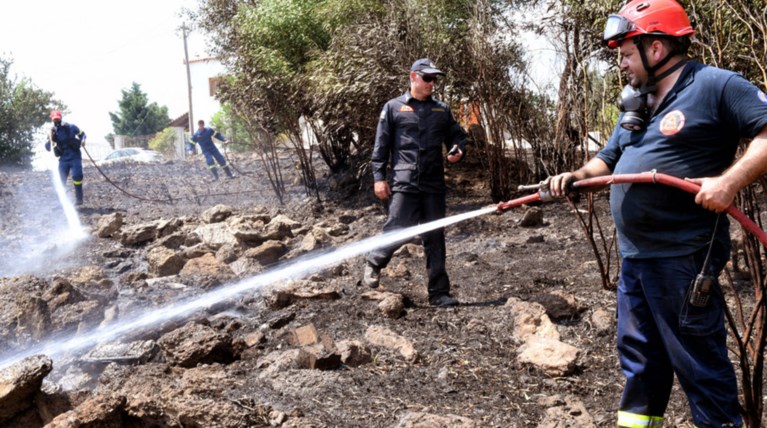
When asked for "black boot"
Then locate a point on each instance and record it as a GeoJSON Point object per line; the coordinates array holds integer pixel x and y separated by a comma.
{"type": "Point", "coordinates": [78, 194]}
{"type": "Point", "coordinates": [228, 172]}
{"type": "Point", "coordinates": [214, 171]}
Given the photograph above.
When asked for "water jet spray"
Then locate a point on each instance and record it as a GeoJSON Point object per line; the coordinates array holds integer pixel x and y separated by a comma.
{"type": "Point", "coordinates": [316, 262]}
{"type": "Point", "coordinates": [47, 240]}
{"type": "Point", "coordinates": [75, 230]}
{"type": "Point", "coordinates": [295, 269]}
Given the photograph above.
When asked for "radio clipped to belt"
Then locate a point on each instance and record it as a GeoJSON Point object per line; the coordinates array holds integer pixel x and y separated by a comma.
{"type": "Point", "coordinates": [703, 284]}
{"type": "Point", "coordinates": [702, 287]}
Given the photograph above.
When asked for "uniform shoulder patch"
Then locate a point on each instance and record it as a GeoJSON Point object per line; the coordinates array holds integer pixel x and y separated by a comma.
{"type": "Point", "coordinates": [437, 109]}
{"type": "Point", "coordinates": [762, 96]}
{"type": "Point", "coordinates": [406, 108]}
{"type": "Point", "coordinates": [383, 114]}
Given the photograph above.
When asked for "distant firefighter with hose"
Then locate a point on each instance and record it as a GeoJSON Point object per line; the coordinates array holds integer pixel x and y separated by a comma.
{"type": "Point", "coordinates": [683, 119]}
{"type": "Point", "coordinates": [204, 137]}
{"type": "Point", "coordinates": [65, 140]}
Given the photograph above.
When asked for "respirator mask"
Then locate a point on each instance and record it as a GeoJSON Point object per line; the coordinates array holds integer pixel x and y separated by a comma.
{"type": "Point", "coordinates": [633, 104]}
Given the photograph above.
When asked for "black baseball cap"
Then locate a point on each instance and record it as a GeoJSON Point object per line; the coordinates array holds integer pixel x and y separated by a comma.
{"type": "Point", "coordinates": [426, 66]}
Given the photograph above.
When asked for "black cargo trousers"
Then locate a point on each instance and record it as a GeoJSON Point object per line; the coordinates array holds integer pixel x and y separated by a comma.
{"type": "Point", "coordinates": [410, 209]}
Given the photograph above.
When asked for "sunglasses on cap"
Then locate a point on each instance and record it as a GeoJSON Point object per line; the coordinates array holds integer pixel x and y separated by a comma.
{"type": "Point", "coordinates": [616, 28]}
{"type": "Point", "coordinates": [428, 78]}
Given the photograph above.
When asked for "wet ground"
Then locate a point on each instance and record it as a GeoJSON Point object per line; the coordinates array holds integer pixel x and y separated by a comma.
{"type": "Point", "coordinates": [467, 361]}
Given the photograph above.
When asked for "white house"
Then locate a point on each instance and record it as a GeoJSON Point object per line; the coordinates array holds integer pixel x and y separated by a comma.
{"type": "Point", "coordinates": [204, 79]}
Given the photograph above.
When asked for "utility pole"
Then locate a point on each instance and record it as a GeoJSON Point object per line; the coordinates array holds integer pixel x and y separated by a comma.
{"type": "Point", "coordinates": [189, 87]}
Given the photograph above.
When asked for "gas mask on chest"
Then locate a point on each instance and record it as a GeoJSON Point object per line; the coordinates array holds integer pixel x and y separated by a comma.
{"type": "Point", "coordinates": [633, 104]}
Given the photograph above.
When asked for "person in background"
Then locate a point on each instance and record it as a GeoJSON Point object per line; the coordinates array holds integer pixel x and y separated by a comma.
{"type": "Point", "coordinates": [204, 137]}
{"type": "Point", "coordinates": [65, 140]}
{"type": "Point", "coordinates": [683, 119]}
{"type": "Point", "coordinates": [412, 130]}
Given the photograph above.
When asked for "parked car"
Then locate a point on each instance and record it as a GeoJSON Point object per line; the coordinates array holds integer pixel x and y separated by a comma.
{"type": "Point", "coordinates": [132, 154]}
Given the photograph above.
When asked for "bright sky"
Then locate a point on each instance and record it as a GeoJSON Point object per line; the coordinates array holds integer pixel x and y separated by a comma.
{"type": "Point", "coordinates": [87, 51]}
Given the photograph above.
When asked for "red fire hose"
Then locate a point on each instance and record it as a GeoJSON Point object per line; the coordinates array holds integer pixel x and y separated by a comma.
{"type": "Point", "coordinates": [543, 195]}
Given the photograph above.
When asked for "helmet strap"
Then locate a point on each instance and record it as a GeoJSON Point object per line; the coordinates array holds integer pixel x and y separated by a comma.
{"type": "Point", "coordinates": [652, 79]}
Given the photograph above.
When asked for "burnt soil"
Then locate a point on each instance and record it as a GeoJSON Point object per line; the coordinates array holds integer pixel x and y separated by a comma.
{"type": "Point", "coordinates": [467, 363]}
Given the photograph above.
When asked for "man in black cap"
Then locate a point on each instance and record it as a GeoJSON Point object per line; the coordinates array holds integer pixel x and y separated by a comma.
{"type": "Point", "coordinates": [412, 130]}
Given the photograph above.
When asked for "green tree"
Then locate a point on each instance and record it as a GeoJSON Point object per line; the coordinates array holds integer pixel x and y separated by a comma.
{"type": "Point", "coordinates": [136, 115]}
{"type": "Point", "coordinates": [23, 110]}
{"type": "Point", "coordinates": [164, 142]}
{"type": "Point", "coordinates": [333, 63]}
{"type": "Point", "coordinates": [234, 128]}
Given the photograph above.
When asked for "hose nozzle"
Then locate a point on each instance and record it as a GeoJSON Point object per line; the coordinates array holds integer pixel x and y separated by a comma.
{"type": "Point", "coordinates": [542, 188]}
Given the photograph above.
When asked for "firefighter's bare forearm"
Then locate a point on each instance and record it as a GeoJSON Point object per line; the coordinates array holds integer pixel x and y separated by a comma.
{"type": "Point", "coordinates": [718, 193]}
{"type": "Point", "coordinates": [559, 184]}
{"type": "Point", "coordinates": [752, 165]}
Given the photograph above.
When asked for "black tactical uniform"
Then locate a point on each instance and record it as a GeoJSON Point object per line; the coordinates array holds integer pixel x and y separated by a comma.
{"type": "Point", "coordinates": [410, 135]}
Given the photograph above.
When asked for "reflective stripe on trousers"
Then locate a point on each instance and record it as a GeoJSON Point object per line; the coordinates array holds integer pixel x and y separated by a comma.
{"type": "Point", "coordinates": [660, 335]}
{"type": "Point", "coordinates": [633, 420]}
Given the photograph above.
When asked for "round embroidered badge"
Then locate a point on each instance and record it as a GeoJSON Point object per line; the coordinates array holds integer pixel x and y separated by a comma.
{"type": "Point", "coordinates": [672, 123]}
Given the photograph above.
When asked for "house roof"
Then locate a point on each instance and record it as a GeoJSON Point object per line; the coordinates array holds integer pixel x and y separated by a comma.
{"type": "Point", "coordinates": [207, 59]}
{"type": "Point", "coordinates": [180, 122]}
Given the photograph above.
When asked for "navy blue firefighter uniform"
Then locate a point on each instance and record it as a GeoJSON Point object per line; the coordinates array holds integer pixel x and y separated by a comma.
{"type": "Point", "coordinates": [204, 137]}
{"type": "Point", "coordinates": [66, 140]}
{"type": "Point", "coordinates": [670, 241]}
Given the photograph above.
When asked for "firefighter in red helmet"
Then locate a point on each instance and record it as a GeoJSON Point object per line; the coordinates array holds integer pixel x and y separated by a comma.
{"type": "Point", "coordinates": [684, 119]}
{"type": "Point", "coordinates": [65, 140]}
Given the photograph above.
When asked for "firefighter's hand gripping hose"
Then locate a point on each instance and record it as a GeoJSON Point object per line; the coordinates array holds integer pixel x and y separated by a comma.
{"type": "Point", "coordinates": [544, 195]}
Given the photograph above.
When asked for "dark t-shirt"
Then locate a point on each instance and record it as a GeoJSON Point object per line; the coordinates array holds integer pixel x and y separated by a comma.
{"type": "Point", "coordinates": [694, 133]}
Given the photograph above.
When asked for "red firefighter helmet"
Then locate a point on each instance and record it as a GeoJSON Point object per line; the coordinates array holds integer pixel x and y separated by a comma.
{"type": "Point", "coordinates": [55, 114]}
{"type": "Point", "coordinates": [637, 17]}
